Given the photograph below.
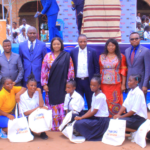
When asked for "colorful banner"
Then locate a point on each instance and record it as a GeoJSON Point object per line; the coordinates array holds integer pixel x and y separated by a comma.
{"type": "Point", "coordinates": [67, 19]}
{"type": "Point", "coordinates": [2, 31]}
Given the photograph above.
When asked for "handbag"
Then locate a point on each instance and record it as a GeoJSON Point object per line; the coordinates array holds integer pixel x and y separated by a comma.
{"type": "Point", "coordinates": [18, 129]}
{"type": "Point", "coordinates": [40, 120]}
{"type": "Point", "coordinates": [115, 134]}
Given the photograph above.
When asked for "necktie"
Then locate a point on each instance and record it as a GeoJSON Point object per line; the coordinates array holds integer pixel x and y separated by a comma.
{"type": "Point", "coordinates": [31, 48]}
{"type": "Point", "coordinates": [132, 56]}
{"type": "Point", "coordinates": [69, 103]}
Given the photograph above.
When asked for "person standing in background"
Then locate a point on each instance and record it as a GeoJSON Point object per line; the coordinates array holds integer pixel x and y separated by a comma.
{"type": "Point", "coordinates": [51, 9]}
{"type": "Point", "coordinates": [15, 29]}
{"type": "Point", "coordinates": [32, 53]}
{"type": "Point", "coordinates": [24, 25]}
{"type": "Point", "coordinates": [138, 18]}
{"type": "Point", "coordinates": [44, 36]}
{"type": "Point", "coordinates": [22, 36]}
{"type": "Point", "coordinates": [78, 5]}
{"type": "Point", "coordinates": [10, 65]}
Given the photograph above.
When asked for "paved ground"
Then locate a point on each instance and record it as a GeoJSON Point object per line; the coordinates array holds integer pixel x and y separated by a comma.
{"type": "Point", "coordinates": [57, 141]}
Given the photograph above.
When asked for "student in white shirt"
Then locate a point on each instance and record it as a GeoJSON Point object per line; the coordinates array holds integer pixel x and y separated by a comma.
{"type": "Point", "coordinates": [134, 105]}
{"type": "Point", "coordinates": [15, 29]}
{"type": "Point", "coordinates": [138, 18]}
{"type": "Point", "coordinates": [147, 33]}
{"type": "Point", "coordinates": [24, 25]}
{"type": "Point", "coordinates": [73, 100]}
{"type": "Point", "coordinates": [22, 36]}
{"type": "Point", "coordinates": [94, 123]}
{"type": "Point", "coordinates": [31, 100]}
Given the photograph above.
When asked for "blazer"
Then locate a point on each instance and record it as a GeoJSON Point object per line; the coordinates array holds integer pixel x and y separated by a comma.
{"type": "Point", "coordinates": [93, 66]}
{"type": "Point", "coordinates": [141, 65]}
{"type": "Point", "coordinates": [33, 64]}
{"type": "Point", "coordinates": [50, 7]}
{"type": "Point", "coordinates": [12, 68]}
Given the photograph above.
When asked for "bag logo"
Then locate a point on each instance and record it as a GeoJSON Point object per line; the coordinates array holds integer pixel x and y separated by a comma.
{"type": "Point", "coordinates": [39, 116]}
{"type": "Point", "coordinates": [112, 133]}
{"type": "Point", "coordinates": [22, 130]}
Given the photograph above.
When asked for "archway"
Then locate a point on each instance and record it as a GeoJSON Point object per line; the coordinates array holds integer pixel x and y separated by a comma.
{"type": "Point", "coordinates": [5, 11]}
{"type": "Point", "coordinates": [143, 6]}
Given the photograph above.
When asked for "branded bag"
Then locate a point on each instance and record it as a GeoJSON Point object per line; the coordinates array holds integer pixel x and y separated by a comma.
{"type": "Point", "coordinates": [18, 129]}
{"type": "Point", "coordinates": [115, 134]}
{"type": "Point", "coordinates": [40, 120]}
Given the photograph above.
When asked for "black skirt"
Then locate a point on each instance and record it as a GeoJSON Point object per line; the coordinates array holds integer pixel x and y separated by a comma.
{"type": "Point", "coordinates": [134, 121]}
{"type": "Point", "coordinates": [92, 128]}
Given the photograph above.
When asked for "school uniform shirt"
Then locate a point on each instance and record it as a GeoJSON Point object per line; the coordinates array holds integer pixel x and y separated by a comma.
{"type": "Point", "coordinates": [22, 38]}
{"type": "Point", "coordinates": [7, 100]}
{"type": "Point", "coordinates": [24, 26]}
{"type": "Point", "coordinates": [146, 35]}
{"type": "Point", "coordinates": [138, 19]}
{"type": "Point", "coordinates": [99, 102]}
{"type": "Point", "coordinates": [82, 68]}
{"type": "Point", "coordinates": [135, 101]}
{"type": "Point", "coordinates": [15, 30]}
{"type": "Point", "coordinates": [26, 103]}
{"type": "Point", "coordinates": [76, 102]}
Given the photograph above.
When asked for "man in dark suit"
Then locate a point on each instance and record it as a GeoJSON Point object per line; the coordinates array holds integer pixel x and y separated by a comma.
{"type": "Point", "coordinates": [32, 53]}
{"type": "Point", "coordinates": [138, 61]}
{"type": "Point", "coordinates": [78, 5]}
{"type": "Point", "coordinates": [86, 65]}
{"type": "Point", "coordinates": [51, 9]}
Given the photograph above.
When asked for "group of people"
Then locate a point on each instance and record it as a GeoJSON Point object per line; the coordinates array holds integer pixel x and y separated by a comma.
{"type": "Point", "coordinates": [78, 73]}
{"type": "Point", "coordinates": [143, 26]}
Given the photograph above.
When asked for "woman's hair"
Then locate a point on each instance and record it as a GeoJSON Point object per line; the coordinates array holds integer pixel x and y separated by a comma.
{"type": "Point", "coordinates": [61, 42]}
{"type": "Point", "coordinates": [3, 80]}
{"type": "Point", "coordinates": [137, 77]}
{"type": "Point", "coordinates": [117, 50]}
{"type": "Point", "coordinates": [15, 34]}
{"type": "Point", "coordinates": [146, 28]}
{"type": "Point", "coordinates": [72, 81]}
{"type": "Point", "coordinates": [97, 77]}
{"type": "Point", "coordinates": [31, 77]}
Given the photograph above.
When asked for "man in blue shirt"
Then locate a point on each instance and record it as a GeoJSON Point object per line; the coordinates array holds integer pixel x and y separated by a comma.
{"type": "Point", "coordinates": [51, 9]}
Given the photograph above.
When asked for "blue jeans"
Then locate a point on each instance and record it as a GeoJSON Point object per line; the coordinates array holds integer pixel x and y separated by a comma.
{"type": "Point", "coordinates": [4, 121]}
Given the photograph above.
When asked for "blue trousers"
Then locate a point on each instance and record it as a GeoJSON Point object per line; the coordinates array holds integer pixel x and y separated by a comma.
{"type": "Point", "coordinates": [53, 31]}
{"type": "Point", "coordinates": [4, 121]}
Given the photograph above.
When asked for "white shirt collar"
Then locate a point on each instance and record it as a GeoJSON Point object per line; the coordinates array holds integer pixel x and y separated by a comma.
{"type": "Point", "coordinates": [83, 50]}
{"type": "Point", "coordinates": [134, 90]}
{"type": "Point", "coordinates": [29, 42]}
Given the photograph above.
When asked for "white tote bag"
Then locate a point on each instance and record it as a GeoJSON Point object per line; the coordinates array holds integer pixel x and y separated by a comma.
{"type": "Point", "coordinates": [68, 132]}
{"type": "Point", "coordinates": [18, 129]}
{"type": "Point", "coordinates": [139, 137]}
{"type": "Point", "coordinates": [40, 120]}
{"type": "Point", "coordinates": [115, 134]}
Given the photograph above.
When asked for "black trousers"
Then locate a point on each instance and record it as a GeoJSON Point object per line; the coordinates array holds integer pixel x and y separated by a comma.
{"type": "Point", "coordinates": [79, 22]}
{"type": "Point", "coordinates": [83, 87]}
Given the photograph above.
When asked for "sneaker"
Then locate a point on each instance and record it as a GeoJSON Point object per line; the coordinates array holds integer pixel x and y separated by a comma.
{"type": "Point", "coordinates": [43, 136]}
{"type": "Point", "coordinates": [3, 134]}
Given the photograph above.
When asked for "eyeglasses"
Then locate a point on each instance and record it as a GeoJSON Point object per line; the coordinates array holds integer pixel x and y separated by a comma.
{"type": "Point", "coordinates": [134, 39]}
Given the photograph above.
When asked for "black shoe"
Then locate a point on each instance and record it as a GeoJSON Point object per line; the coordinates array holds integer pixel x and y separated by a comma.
{"type": "Point", "coordinates": [43, 136]}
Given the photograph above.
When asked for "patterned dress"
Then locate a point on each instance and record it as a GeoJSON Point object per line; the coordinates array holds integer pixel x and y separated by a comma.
{"type": "Point", "coordinates": [57, 110]}
{"type": "Point", "coordinates": [111, 71]}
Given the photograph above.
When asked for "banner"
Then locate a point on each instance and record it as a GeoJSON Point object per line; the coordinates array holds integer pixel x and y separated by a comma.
{"type": "Point", "coordinates": [69, 25]}
{"type": "Point", "coordinates": [2, 31]}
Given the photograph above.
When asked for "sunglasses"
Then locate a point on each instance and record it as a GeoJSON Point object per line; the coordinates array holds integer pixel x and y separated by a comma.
{"type": "Point", "coordinates": [132, 39]}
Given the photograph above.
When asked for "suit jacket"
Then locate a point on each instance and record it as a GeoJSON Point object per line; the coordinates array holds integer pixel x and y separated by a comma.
{"type": "Point", "coordinates": [33, 64]}
{"type": "Point", "coordinates": [141, 64]}
{"type": "Point", "coordinates": [93, 66]}
{"type": "Point", "coordinates": [12, 68]}
{"type": "Point", "coordinates": [50, 7]}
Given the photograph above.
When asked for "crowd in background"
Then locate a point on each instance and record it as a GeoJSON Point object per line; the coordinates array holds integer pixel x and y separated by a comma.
{"type": "Point", "coordinates": [143, 26]}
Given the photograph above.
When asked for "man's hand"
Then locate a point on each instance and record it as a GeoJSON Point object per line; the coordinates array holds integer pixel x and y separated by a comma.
{"type": "Point", "coordinates": [78, 118]}
{"type": "Point", "coordinates": [117, 116]}
{"type": "Point", "coordinates": [144, 89]}
{"type": "Point", "coordinates": [39, 13]}
{"type": "Point", "coordinates": [80, 14]}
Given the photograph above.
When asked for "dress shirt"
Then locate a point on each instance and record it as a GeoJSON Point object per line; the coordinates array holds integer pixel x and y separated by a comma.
{"type": "Point", "coordinates": [76, 102]}
{"type": "Point", "coordinates": [136, 48]}
{"type": "Point", "coordinates": [146, 35]}
{"type": "Point", "coordinates": [82, 68]}
{"type": "Point", "coordinates": [135, 101]}
{"type": "Point", "coordinates": [29, 44]}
